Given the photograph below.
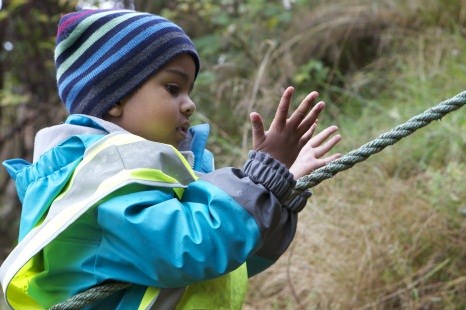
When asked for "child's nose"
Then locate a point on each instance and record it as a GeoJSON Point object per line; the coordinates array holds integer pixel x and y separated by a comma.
{"type": "Point", "coordinates": [188, 107]}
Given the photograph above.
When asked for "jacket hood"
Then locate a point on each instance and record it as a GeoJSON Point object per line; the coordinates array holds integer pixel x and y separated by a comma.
{"type": "Point", "coordinates": [59, 149]}
{"type": "Point", "coordinates": [54, 161]}
{"type": "Point", "coordinates": [76, 124]}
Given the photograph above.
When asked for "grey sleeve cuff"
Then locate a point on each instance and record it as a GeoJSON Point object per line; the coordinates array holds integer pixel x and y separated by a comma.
{"type": "Point", "coordinates": [272, 174]}
{"type": "Point", "coordinates": [296, 203]}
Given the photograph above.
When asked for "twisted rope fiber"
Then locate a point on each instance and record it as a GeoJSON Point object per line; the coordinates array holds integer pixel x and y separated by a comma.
{"type": "Point", "coordinates": [391, 137]}
{"type": "Point", "coordinates": [343, 163]}
{"type": "Point", "coordinates": [92, 295]}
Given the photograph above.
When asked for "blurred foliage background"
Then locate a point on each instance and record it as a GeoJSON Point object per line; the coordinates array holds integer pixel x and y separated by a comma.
{"type": "Point", "coordinates": [389, 233]}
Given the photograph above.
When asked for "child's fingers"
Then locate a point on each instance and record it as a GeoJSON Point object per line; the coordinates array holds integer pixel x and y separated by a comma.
{"type": "Point", "coordinates": [311, 117]}
{"type": "Point", "coordinates": [325, 160]}
{"type": "Point", "coordinates": [323, 135]}
{"type": "Point", "coordinates": [308, 135]}
{"type": "Point", "coordinates": [282, 110]}
{"type": "Point", "coordinates": [327, 146]}
{"type": "Point", "coordinates": [258, 132]}
{"type": "Point", "coordinates": [332, 158]}
{"type": "Point", "coordinates": [303, 109]}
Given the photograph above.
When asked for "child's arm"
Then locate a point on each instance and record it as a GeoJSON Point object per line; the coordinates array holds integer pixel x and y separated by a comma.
{"type": "Point", "coordinates": [290, 140]}
{"type": "Point", "coordinates": [225, 218]}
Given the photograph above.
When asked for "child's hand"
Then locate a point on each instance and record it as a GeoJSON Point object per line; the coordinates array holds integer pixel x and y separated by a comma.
{"type": "Point", "coordinates": [310, 157]}
{"type": "Point", "coordinates": [290, 140]}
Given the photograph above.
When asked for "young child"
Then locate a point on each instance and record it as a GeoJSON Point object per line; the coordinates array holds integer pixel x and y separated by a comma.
{"type": "Point", "coordinates": [125, 190]}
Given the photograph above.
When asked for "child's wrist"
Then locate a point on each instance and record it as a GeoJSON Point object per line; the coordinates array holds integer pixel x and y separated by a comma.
{"type": "Point", "coordinates": [262, 168]}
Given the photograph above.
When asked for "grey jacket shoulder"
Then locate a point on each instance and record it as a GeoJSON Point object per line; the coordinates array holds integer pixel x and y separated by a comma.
{"type": "Point", "coordinates": [49, 137]}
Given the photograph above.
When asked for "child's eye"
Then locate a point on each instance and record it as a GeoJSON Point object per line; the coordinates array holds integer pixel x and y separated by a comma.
{"type": "Point", "coordinates": [173, 89]}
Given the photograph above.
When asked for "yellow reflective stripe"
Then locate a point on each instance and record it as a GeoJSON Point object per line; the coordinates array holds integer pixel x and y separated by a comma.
{"type": "Point", "coordinates": [185, 163]}
{"type": "Point", "coordinates": [157, 176]}
{"type": "Point", "coordinates": [50, 229]}
{"type": "Point", "coordinates": [151, 175]}
{"type": "Point", "coordinates": [19, 271]}
{"type": "Point", "coordinates": [150, 294]}
{"type": "Point", "coordinates": [122, 139]}
{"type": "Point", "coordinates": [109, 141]}
{"type": "Point", "coordinates": [179, 192]}
{"type": "Point", "coordinates": [17, 290]}
{"type": "Point", "coordinates": [225, 292]}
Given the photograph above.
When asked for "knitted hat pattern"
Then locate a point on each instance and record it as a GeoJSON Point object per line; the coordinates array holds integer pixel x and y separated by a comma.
{"type": "Point", "coordinates": [102, 56]}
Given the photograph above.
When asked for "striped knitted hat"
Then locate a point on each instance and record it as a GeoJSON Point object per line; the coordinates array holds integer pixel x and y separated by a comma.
{"type": "Point", "coordinates": [102, 56]}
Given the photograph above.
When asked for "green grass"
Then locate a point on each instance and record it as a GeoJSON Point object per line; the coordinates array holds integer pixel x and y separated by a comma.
{"type": "Point", "coordinates": [391, 231]}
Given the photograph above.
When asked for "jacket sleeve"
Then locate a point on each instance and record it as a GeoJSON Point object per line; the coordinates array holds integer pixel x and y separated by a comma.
{"type": "Point", "coordinates": [223, 219]}
{"type": "Point", "coordinates": [276, 219]}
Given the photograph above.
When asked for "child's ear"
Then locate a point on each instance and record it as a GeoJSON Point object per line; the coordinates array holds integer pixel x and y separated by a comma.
{"type": "Point", "coordinates": [116, 110]}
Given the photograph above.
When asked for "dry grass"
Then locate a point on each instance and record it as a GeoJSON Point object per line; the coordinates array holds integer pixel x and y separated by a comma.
{"type": "Point", "coordinates": [367, 241]}
{"type": "Point", "coordinates": [391, 232]}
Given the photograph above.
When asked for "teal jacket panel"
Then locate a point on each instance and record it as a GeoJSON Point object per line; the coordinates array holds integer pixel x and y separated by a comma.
{"type": "Point", "coordinates": [149, 234]}
{"type": "Point", "coordinates": [39, 184]}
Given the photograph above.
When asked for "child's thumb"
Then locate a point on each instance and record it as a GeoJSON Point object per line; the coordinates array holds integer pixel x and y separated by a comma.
{"type": "Point", "coordinates": [258, 133]}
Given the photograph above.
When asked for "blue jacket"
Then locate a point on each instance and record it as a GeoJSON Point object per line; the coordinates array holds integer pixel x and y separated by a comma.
{"type": "Point", "coordinates": [101, 204]}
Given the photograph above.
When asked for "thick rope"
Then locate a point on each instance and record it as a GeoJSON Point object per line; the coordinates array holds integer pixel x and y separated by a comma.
{"type": "Point", "coordinates": [92, 295]}
{"type": "Point", "coordinates": [391, 137]}
{"type": "Point", "coordinates": [345, 162]}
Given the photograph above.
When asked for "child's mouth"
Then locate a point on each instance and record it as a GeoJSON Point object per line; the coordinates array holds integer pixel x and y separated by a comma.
{"type": "Point", "coordinates": [183, 129]}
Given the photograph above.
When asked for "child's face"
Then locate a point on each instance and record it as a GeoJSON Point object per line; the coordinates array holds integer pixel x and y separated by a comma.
{"type": "Point", "coordinates": [159, 110]}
